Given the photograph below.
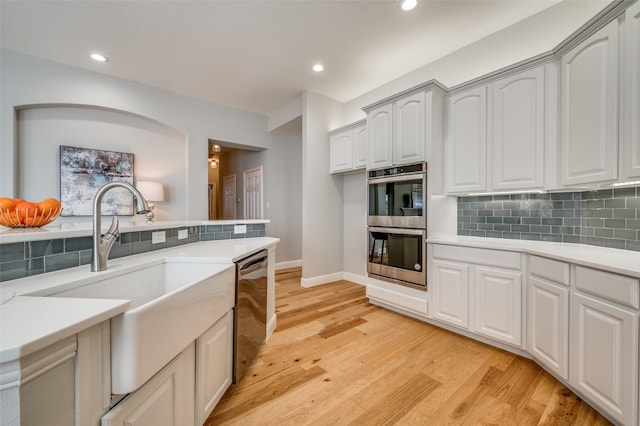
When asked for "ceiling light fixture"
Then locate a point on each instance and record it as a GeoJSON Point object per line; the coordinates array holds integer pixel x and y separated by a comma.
{"type": "Point", "coordinates": [318, 68]}
{"type": "Point", "coordinates": [98, 57]}
{"type": "Point", "coordinates": [407, 5]}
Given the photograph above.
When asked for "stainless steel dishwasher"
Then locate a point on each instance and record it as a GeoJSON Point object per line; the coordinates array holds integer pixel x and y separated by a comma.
{"type": "Point", "coordinates": [250, 313]}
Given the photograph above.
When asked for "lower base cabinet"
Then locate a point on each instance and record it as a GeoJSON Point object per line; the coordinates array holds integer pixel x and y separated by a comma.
{"type": "Point", "coordinates": [214, 356]}
{"type": "Point", "coordinates": [604, 356]}
{"type": "Point", "coordinates": [186, 390]}
{"type": "Point", "coordinates": [481, 298]}
{"type": "Point", "coordinates": [165, 400]}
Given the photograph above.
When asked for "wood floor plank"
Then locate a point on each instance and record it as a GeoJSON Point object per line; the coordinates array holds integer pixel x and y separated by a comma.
{"type": "Point", "coordinates": [335, 359]}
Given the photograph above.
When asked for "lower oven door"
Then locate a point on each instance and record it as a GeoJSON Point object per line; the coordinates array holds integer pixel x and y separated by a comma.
{"type": "Point", "coordinates": [398, 255]}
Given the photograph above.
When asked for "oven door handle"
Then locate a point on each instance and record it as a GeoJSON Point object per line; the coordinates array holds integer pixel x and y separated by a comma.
{"type": "Point", "coordinates": [400, 231]}
{"type": "Point", "coordinates": [402, 178]}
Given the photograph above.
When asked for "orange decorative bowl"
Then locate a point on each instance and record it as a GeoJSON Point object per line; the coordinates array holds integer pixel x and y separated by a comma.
{"type": "Point", "coordinates": [27, 218]}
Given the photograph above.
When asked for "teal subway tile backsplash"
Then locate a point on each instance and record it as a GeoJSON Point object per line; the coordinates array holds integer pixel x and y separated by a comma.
{"type": "Point", "coordinates": [19, 260]}
{"type": "Point", "coordinates": [607, 218]}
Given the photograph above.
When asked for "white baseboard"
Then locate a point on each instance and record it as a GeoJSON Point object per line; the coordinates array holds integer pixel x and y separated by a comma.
{"type": "Point", "coordinates": [329, 278]}
{"type": "Point", "coordinates": [322, 279]}
{"type": "Point", "coordinates": [288, 264]}
{"type": "Point", "coordinates": [358, 279]}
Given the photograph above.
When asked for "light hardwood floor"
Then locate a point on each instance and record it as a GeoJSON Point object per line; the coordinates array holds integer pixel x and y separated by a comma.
{"type": "Point", "coordinates": [335, 359]}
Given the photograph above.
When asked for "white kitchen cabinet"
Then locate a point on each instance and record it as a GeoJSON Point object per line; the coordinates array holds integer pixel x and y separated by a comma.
{"type": "Point", "coordinates": [165, 400]}
{"type": "Point", "coordinates": [449, 292]}
{"type": "Point", "coordinates": [348, 148]}
{"type": "Point", "coordinates": [409, 129]}
{"type": "Point", "coordinates": [604, 356]}
{"type": "Point", "coordinates": [380, 137]}
{"type": "Point", "coordinates": [477, 289]}
{"type": "Point", "coordinates": [496, 135]}
{"type": "Point", "coordinates": [518, 131]}
{"type": "Point", "coordinates": [589, 109]}
{"type": "Point", "coordinates": [631, 93]}
{"type": "Point", "coordinates": [214, 365]}
{"type": "Point", "coordinates": [466, 142]}
{"type": "Point", "coordinates": [548, 324]}
{"type": "Point", "coordinates": [360, 146]}
{"type": "Point", "coordinates": [498, 304]}
{"type": "Point", "coordinates": [341, 149]}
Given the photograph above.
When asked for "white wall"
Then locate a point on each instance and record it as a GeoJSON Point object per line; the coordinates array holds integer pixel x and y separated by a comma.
{"type": "Point", "coordinates": [26, 80]}
{"type": "Point", "coordinates": [355, 226]}
{"type": "Point", "coordinates": [322, 230]}
{"type": "Point", "coordinates": [159, 152]}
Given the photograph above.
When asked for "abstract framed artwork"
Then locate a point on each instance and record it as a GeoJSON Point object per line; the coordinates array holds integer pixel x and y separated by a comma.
{"type": "Point", "coordinates": [83, 171]}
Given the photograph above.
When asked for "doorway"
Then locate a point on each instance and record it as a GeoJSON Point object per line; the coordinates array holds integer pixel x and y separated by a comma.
{"type": "Point", "coordinates": [252, 193]}
{"type": "Point", "coordinates": [229, 201]}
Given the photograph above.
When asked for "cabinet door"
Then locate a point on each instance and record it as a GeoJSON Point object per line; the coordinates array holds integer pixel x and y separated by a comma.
{"type": "Point", "coordinates": [341, 150]}
{"type": "Point", "coordinates": [466, 141]}
{"type": "Point", "coordinates": [214, 365]}
{"type": "Point", "coordinates": [360, 147]}
{"type": "Point", "coordinates": [379, 135]}
{"type": "Point", "coordinates": [518, 131]}
{"type": "Point", "coordinates": [409, 129]}
{"type": "Point", "coordinates": [449, 292]}
{"type": "Point", "coordinates": [548, 325]}
{"type": "Point", "coordinates": [604, 356]}
{"type": "Point", "coordinates": [165, 400]}
{"type": "Point", "coordinates": [497, 304]}
{"type": "Point", "coordinates": [631, 92]}
{"type": "Point", "coordinates": [590, 109]}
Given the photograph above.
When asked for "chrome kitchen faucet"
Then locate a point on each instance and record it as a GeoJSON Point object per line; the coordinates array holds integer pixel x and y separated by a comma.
{"type": "Point", "coordinates": [102, 244]}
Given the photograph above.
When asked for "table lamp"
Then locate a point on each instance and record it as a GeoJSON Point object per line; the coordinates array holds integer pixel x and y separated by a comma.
{"type": "Point", "coordinates": [152, 192]}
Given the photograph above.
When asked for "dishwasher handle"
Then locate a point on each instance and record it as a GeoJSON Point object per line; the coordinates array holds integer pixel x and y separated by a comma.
{"type": "Point", "coordinates": [252, 265]}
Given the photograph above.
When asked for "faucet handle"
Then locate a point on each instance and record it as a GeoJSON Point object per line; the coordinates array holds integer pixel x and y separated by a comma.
{"type": "Point", "coordinates": [113, 231]}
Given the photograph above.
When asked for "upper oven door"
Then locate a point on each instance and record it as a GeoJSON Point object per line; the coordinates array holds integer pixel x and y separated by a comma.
{"type": "Point", "coordinates": [398, 201]}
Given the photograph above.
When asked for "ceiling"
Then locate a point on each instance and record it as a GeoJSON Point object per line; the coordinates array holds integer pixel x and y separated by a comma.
{"type": "Point", "coordinates": [254, 55]}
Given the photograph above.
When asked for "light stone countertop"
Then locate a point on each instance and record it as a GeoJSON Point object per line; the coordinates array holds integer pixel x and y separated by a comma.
{"type": "Point", "coordinates": [624, 262]}
{"type": "Point", "coordinates": [29, 323]}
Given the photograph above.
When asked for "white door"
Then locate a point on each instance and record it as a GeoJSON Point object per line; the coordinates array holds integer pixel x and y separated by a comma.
{"type": "Point", "coordinates": [229, 185]}
{"type": "Point", "coordinates": [497, 302]}
{"type": "Point", "coordinates": [360, 147]}
{"type": "Point", "coordinates": [450, 293]}
{"type": "Point", "coordinates": [252, 189]}
{"type": "Point", "coordinates": [590, 109]}
{"type": "Point", "coordinates": [604, 356]}
{"type": "Point", "coordinates": [631, 92]}
{"type": "Point", "coordinates": [379, 135]}
{"type": "Point", "coordinates": [548, 325]}
{"type": "Point", "coordinates": [409, 129]}
{"type": "Point", "coordinates": [466, 144]}
{"type": "Point", "coordinates": [341, 150]}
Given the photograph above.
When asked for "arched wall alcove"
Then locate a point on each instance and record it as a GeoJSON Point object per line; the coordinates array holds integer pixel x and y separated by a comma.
{"type": "Point", "coordinates": [160, 151]}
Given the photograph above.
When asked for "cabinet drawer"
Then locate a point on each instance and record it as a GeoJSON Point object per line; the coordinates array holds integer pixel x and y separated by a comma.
{"type": "Point", "coordinates": [487, 257]}
{"type": "Point", "coordinates": [617, 288]}
{"type": "Point", "coordinates": [553, 270]}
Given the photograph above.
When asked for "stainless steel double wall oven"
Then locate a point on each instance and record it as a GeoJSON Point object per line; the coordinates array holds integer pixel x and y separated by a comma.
{"type": "Point", "coordinates": [397, 220]}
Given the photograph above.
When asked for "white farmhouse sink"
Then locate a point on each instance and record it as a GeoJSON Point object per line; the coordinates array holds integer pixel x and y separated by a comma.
{"type": "Point", "coordinates": [172, 303]}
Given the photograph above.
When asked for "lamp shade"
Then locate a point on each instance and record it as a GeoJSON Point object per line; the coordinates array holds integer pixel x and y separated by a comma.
{"type": "Point", "coordinates": [151, 191]}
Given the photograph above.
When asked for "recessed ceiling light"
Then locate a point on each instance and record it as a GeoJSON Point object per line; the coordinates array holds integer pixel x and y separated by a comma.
{"type": "Point", "coordinates": [408, 4]}
{"type": "Point", "coordinates": [98, 57]}
{"type": "Point", "coordinates": [318, 68]}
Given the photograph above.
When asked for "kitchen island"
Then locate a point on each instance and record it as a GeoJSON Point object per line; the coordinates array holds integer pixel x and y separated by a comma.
{"type": "Point", "coordinates": [64, 342]}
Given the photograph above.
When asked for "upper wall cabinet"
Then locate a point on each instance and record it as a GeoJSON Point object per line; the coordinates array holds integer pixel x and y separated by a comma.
{"type": "Point", "coordinates": [496, 135]}
{"type": "Point", "coordinates": [396, 132]}
{"type": "Point", "coordinates": [589, 109]}
{"type": "Point", "coordinates": [348, 148]}
{"type": "Point", "coordinates": [517, 126]}
{"type": "Point", "coordinates": [409, 129]}
{"type": "Point", "coordinates": [631, 93]}
{"type": "Point", "coordinates": [466, 141]}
